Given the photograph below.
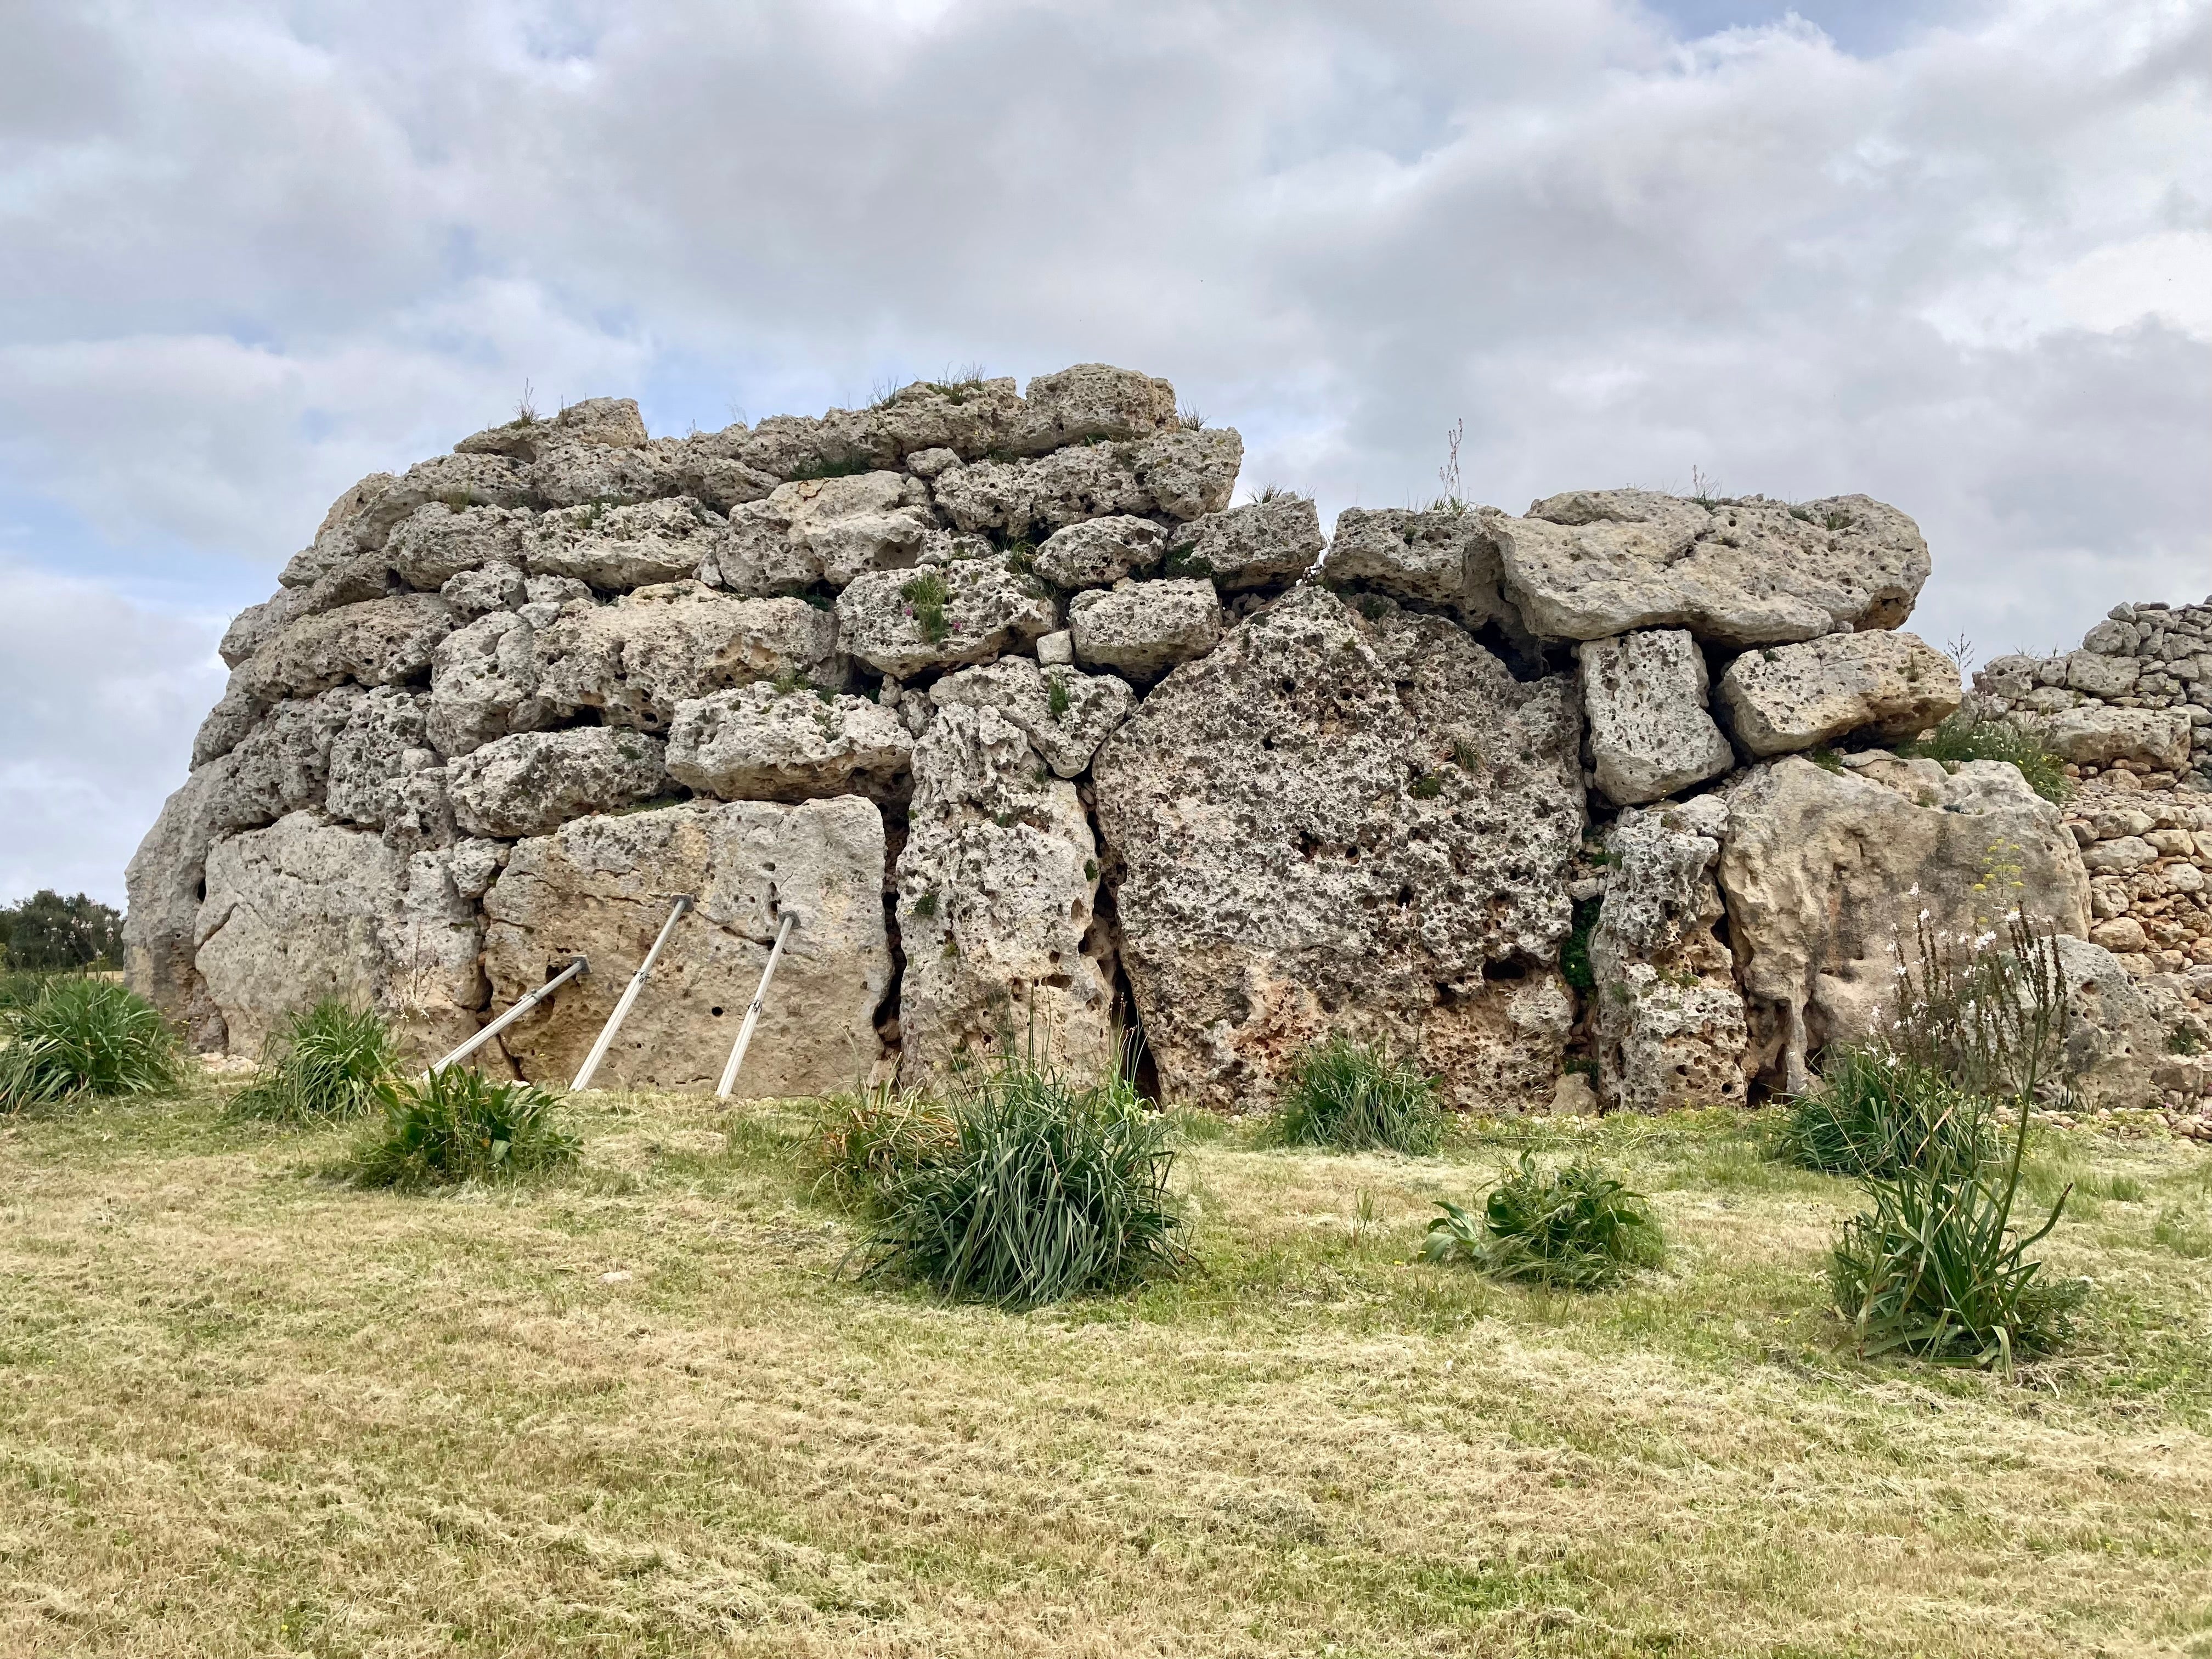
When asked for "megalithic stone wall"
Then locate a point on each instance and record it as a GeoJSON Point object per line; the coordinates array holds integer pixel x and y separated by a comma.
{"type": "Point", "coordinates": [1050, 744]}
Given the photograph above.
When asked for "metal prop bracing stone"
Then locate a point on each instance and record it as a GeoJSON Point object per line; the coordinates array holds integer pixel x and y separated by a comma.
{"type": "Point", "coordinates": [629, 996]}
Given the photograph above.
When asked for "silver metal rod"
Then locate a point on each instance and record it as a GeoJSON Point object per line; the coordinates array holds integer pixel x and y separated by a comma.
{"type": "Point", "coordinates": [753, 1012]}
{"type": "Point", "coordinates": [629, 995]}
{"type": "Point", "coordinates": [579, 966]}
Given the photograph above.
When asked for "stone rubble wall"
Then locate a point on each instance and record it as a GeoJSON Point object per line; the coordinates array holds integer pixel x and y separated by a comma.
{"type": "Point", "coordinates": [1047, 746]}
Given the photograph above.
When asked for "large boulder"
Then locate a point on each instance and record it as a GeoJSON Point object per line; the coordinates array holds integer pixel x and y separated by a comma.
{"type": "Point", "coordinates": [635, 660]}
{"type": "Point", "coordinates": [824, 532]}
{"type": "Point", "coordinates": [903, 622]}
{"type": "Point", "coordinates": [1668, 1021]}
{"type": "Point", "coordinates": [1590, 564]}
{"type": "Point", "coordinates": [1339, 825]}
{"type": "Point", "coordinates": [1088, 402]}
{"type": "Point", "coordinates": [1100, 551]}
{"type": "Point", "coordinates": [755, 743]}
{"type": "Point", "coordinates": [383, 642]}
{"type": "Point", "coordinates": [164, 883]}
{"type": "Point", "coordinates": [615, 549]}
{"type": "Point", "coordinates": [998, 888]}
{"type": "Point", "coordinates": [1442, 557]}
{"type": "Point", "coordinates": [601, 888]}
{"type": "Point", "coordinates": [1065, 715]}
{"type": "Point", "coordinates": [1255, 545]}
{"type": "Point", "coordinates": [334, 538]}
{"type": "Point", "coordinates": [306, 909]}
{"type": "Point", "coordinates": [484, 684]}
{"type": "Point", "coordinates": [435, 544]}
{"type": "Point", "coordinates": [2095, 736]}
{"type": "Point", "coordinates": [283, 763]}
{"type": "Point", "coordinates": [1786, 698]}
{"type": "Point", "coordinates": [533, 781]}
{"type": "Point", "coordinates": [382, 743]}
{"type": "Point", "coordinates": [1181, 474]}
{"type": "Point", "coordinates": [1651, 733]}
{"type": "Point", "coordinates": [1141, 630]}
{"type": "Point", "coordinates": [1827, 875]}
{"type": "Point", "coordinates": [2114, 1041]}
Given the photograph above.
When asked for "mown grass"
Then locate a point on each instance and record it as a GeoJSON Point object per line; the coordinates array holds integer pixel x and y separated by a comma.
{"type": "Point", "coordinates": [626, 1409]}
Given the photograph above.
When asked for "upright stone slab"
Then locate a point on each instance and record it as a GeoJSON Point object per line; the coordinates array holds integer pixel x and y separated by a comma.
{"type": "Point", "coordinates": [601, 887]}
{"type": "Point", "coordinates": [1650, 734]}
{"type": "Point", "coordinates": [1339, 825]}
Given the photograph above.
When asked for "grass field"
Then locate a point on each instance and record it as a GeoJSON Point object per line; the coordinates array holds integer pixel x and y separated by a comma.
{"type": "Point", "coordinates": [245, 1408]}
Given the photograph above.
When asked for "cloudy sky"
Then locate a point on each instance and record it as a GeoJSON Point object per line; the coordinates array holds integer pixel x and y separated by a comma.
{"type": "Point", "coordinates": [1956, 255]}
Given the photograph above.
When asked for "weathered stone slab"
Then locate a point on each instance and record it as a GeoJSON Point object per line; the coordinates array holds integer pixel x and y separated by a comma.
{"type": "Point", "coordinates": [1088, 402]}
{"type": "Point", "coordinates": [1650, 734]}
{"type": "Point", "coordinates": [1442, 557]}
{"type": "Point", "coordinates": [383, 642]}
{"type": "Point", "coordinates": [824, 531]}
{"type": "Point", "coordinates": [1255, 545]}
{"type": "Point", "coordinates": [334, 537]}
{"type": "Point", "coordinates": [1100, 551]}
{"type": "Point", "coordinates": [1065, 715]}
{"type": "Point", "coordinates": [755, 743]}
{"type": "Point", "coordinates": [600, 888]}
{"type": "Point", "coordinates": [905, 621]}
{"type": "Point", "coordinates": [1334, 823]}
{"type": "Point", "coordinates": [997, 889]}
{"type": "Point", "coordinates": [434, 545]}
{"type": "Point", "coordinates": [2114, 1043]}
{"type": "Point", "coordinates": [1790, 697]}
{"type": "Point", "coordinates": [531, 782]}
{"type": "Point", "coordinates": [382, 742]}
{"type": "Point", "coordinates": [1181, 474]}
{"type": "Point", "coordinates": [1592, 563]}
{"type": "Point", "coordinates": [471, 593]}
{"type": "Point", "coordinates": [484, 685]}
{"type": "Point", "coordinates": [613, 549]}
{"type": "Point", "coordinates": [1141, 630]}
{"type": "Point", "coordinates": [2095, 736]}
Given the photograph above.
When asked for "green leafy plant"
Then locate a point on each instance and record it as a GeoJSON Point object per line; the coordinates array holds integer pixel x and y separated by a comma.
{"type": "Point", "coordinates": [1042, 1189]}
{"type": "Point", "coordinates": [928, 595]}
{"type": "Point", "coordinates": [1574, 955]}
{"type": "Point", "coordinates": [456, 1125]}
{"type": "Point", "coordinates": [1571, 1228]}
{"type": "Point", "coordinates": [865, 1143]}
{"type": "Point", "coordinates": [1877, 1113]}
{"type": "Point", "coordinates": [1355, 1096]}
{"type": "Point", "coordinates": [1057, 701]}
{"type": "Point", "coordinates": [924, 906]}
{"type": "Point", "coordinates": [330, 1061]}
{"type": "Point", "coordinates": [1967, 737]}
{"type": "Point", "coordinates": [46, 933]}
{"type": "Point", "coordinates": [83, 1036]}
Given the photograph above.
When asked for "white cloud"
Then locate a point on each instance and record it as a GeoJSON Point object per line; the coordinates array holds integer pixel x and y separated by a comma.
{"type": "Point", "coordinates": [253, 252]}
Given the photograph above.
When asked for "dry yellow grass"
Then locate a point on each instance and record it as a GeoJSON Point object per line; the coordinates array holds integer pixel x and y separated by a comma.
{"type": "Point", "coordinates": [245, 1408]}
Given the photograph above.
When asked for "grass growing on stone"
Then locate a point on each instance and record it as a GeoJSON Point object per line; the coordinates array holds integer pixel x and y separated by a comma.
{"type": "Point", "coordinates": [1966, 736]}
{"type": "Point", "coordinates": [627, 1410]}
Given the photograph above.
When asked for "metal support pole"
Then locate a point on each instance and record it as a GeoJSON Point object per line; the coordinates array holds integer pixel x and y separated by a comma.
{"type": "Point", "coordinates": [579, 966]}
{"type": "Point", "coordinates": [753, 1012]}
{"type": "Point", "coordinates": [629, 995]}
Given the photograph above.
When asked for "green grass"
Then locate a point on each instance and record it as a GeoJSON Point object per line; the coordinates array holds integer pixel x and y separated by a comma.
{"type": "Point", "coordinates": [328, 1061]}
{"type": "Point", "coordinates": [456, 1125]}
{"type": "Point", "coordinates": [78, 1038]}
{"type": "Point", "coordinates": [1355, 1096]}
{"type": "Point", "coordinates": [1873, 1113]}
{"type": "Point", "coordinates": [928, 596]}
{"type": "Point", "coordinates": [1964, 737]}
{"type": "Point", "coordinates": [1574, 1227]}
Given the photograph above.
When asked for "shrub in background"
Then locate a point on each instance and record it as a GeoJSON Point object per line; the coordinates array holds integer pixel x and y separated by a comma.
{"type": "Point", "coordinates": [1355, 1096]}
{"type": "Point", "coordinates": [456, 1125]}
{"type": "Point", "coordinates": [1875, 1113]}
{"type": "Point", "coordinates": [1968, 736]}
{"type": "Point", "coordinates": [330, 1061]}
{"type": "Point", "coordinates": [81, 1036]}
{"type": "Point", "coordinates": [1041, 1188]}
{"type": "Point", "coordinates": [1571, 1228]}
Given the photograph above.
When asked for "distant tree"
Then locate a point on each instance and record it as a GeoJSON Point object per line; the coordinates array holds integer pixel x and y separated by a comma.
{"type": "Point", "coordinates": [47, 932]}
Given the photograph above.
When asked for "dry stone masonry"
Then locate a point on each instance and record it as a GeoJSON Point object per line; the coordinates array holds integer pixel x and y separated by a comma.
{"type": "Point", "coordinates": [1047, 742]}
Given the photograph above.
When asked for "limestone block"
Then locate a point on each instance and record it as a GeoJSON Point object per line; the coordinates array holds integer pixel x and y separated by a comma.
{"type": "Point", "coordinates": [1255, 545]}
{"type": "Point", "coordinates": [334, 537]}
{"type": "Point", "coordinates": [793, 446]}
{"type": "Point", "coordinates": [635, 660]}
{"type": "Point", "coordinates": [255, 625]}
{"type": "Point", "coordinates": [1591, 563]}
{"type": "Point", "coordinates": [1790, 697]}
{"type": "Point", "coordinates": [2093, 736]}
{"type": "Point", "coordinates": [233, 715]}
{"type": "Point", "coordinates": [383, 642]}
{"type": "Point", "coordinates": [612, 422]}
{"type": "Point", "coordinates": [1065, 715]}
{"type": "Point", "coordinates": [471, 593]}
{"type": "Point", "coordinates": [306, 909]}
{"type": "Point", "coordinates": [2114, 1040]}
{"type": "Point", "coordinates": [1141, 630]}
{"type": "Point", "coordinates": [600, 888]}
{"type": "Point", "coordinates": [1092, 401]}
{"type": "Point", "coordinates": [534, 782]}
{"type": "Point", "coordinates": [1056, 650]}
{"type": "Point", "coordinates": [570, 474]}
{"type": "Point", "coordinates": [1649, 733]}
{"type": "Point", "coordinates": [965, 419]}
{"type": "Point", "coordinates": [1826, 874]}
{"type": "Point", "coordinates": [382, 741]}
{"type": "Point", "coordinates": [902, 622]}
{"type": "Point", "coordinates": [755, 743]}
{"type": "Point", "coordinates": [456, 481]}
{"type": "Point", "coordinates": [2122, 933]}
{"type": "Point", "coordinates": [824, 530]}
{"type": "Point", "coordinates": [283, 763]}
{"type": "Point", "coordinates": [1100, 551]}
{"type": "Point", "coordinates": [998, 886]}
{"type": "Point", "coordinates": [2123, 853]}
{"type": "Point", "coordinates": [484, 685]}
{"type": "Point", "coordinates": [1442, 557]}
{"type": "Point", "coordinates": [1332, 824]}
{"type": "Point", "coordinates": [165, 884]}
{"type": "Point", "coordinates": [436, 542]}
{"type": "Point", "coordinates": [2098, 675]}
{"type": "Point", "coordinates": [612, 548]}
{"type": "Point", "coordinates": [1181, 474]}
{"type": "Point", "coordinates": [1669, 1022]}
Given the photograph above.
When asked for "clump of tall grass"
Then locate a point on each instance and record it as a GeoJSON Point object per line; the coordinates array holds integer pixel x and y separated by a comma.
{"type": "Point", "coordinates": [1968, 736]}
{"type": "Point", "coordinates": [327, 1062]}
{"type": "Point", "coordinates": [1356, 1096]}
{"type": "Point", "coordinates": [865, 1143]}
{"type": "Point", "coordinates": [1025, 1188]}
{"type": "Point", "coordinates": [1875, 1112]}
{"type": "Point", "coordinates": [80, 1037]}
{"type": "Point", "coordinates": [1571, 1228]}
{"type": "Point", "coordinates": [456, 1125]}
